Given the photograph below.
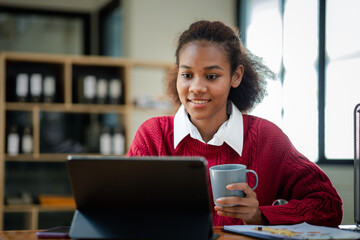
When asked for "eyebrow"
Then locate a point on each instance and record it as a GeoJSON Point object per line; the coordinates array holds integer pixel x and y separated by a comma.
{"type": "Point", "coordinates": [206, 68]}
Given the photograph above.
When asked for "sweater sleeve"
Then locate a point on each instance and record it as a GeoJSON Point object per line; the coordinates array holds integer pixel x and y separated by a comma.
{"type": "Point", "coordinates": [149, 138]}
{"type": "Point", "coordinates": [311, 195]}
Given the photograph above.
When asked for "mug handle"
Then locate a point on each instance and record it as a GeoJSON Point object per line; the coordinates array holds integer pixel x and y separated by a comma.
{"type": "Point", "coordinates": [256, 177]}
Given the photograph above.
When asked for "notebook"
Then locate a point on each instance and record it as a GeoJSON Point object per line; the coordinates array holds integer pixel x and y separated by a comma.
{"type": "Point", "coordinates": [140, 197]}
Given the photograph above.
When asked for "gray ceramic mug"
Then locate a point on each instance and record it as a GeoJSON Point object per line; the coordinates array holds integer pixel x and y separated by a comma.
{"type": "Point", "coordinates": [223, 175]}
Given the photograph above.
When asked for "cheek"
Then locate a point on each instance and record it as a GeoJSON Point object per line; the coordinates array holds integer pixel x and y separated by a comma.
{"type": "Point", "coordinates": [221, 90]}
{"type": "Point", "coordinates": [181, 88]}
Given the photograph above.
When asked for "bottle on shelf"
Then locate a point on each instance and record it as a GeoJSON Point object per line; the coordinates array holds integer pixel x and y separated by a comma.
{"type": "Point", "coordinates": [93, 134]}
{"type": "Point", "coordinates": [13, 140]}
{"type": "Point", "coordinates": [89, 89]}
{"type": "Point", "coordinates": [27, 140]}
{"type": "Point", "coordinates": [118, 141]}
{"type": "Point", "coordinates": [102, 90]}
{"type": "Point", "coordinates": [35, 87]}
{"type": "Point", "coordinates": [115, 91]}
{"type": "Point", "coordinates": [22, 198]}
{"type": "Point", "coordinates": [105, 141]}
{"type": "Point", "coordinates": [49, 89]}
{"type": "Point", "coordinates": [22, 86]}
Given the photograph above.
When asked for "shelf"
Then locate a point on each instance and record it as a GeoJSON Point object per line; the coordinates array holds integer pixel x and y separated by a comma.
{"type": "Point", "coordinates": [71, 108]}
{"type": "Point", "coordinates": [34, 57]}
{"type": "Point", "coordinates": [139, 63]}
{"type": "Point", "coordinates": [66, 124]}
{"type": "Point", "coordinates": [32, 212]}
{"type": "Point", "coordinates": [36, 207]}
{"type": "Point", "coordinates": [19, 106]}
{"type": "Point", "coordinates": [100, 61]}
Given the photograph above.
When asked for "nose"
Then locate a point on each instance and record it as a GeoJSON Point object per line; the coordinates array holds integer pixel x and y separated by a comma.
{"type": "Point", "coordinates": [197, 85]}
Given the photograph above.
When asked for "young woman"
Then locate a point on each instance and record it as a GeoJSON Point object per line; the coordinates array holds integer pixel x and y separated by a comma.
{"type": "Point", "coordinates": [216, 81]}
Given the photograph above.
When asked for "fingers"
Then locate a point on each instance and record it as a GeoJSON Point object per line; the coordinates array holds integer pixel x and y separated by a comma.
{"type": "Point", "coordinates": [236, 212]}
{"type": "Point", "coordinates": [245, 208]}
{"type": "Point", "coordinates": [243, 187]}
{"type": "Point", "coordinates": [237, 201]}
{"type": "Point", "coordinates": [248, 215]}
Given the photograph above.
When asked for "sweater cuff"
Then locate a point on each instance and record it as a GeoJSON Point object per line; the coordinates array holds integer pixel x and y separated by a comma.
{"type": "Point", "coordinates": [277, 215]}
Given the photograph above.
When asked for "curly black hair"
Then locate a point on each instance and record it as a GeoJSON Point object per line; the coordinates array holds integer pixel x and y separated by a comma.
{"type": "Point", "coordinates": [252, 89]}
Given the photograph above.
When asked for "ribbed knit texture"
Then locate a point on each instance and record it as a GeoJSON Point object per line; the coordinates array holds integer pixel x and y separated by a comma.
{"type": "Point", "coordinates": [283, 172]}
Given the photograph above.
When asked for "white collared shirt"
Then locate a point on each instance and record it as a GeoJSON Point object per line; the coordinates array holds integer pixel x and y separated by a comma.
{"type": "Point", "coordinates": [231, 131]}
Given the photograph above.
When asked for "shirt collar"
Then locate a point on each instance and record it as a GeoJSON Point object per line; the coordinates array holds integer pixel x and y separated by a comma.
{"type": "Point", "coordinates": [184, 127]}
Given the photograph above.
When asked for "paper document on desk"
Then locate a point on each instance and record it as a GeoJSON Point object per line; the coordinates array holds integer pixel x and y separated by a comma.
{"type": "Point", "coordinates": [298, 231]}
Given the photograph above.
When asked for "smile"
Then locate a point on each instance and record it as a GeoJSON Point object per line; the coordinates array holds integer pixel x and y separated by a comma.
{"type": "Point", "coordinates": [199, 101]}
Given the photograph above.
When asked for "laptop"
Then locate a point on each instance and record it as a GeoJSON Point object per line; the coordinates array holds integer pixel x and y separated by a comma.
{"type": "Point", "coordinates": [140, 197]}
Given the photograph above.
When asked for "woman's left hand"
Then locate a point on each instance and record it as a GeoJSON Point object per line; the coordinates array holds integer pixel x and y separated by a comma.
{"type": "Point", "coordinates": [246, 208]}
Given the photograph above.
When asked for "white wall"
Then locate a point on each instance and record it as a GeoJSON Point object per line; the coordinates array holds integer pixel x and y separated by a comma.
{"type": "Point", "coordinates": [342, 178]}
{"type": "Point", "coordinates": [151, 27]}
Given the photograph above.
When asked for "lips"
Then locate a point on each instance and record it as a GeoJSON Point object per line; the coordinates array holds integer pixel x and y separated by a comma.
{"type": "Point", "coordinates": [199, 101]}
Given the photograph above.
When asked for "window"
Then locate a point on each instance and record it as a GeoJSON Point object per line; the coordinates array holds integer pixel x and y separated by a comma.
{"type": "Point", "coordinates": [44, 31]}
{"type": "Point", "coordinates": [342, 74]}
{"type": "Point", "coordinates": [98, 31]}
{"type": "Point", "coordinates": [314, 48]}
{"type": "Point", "coordinates": [111, 29]}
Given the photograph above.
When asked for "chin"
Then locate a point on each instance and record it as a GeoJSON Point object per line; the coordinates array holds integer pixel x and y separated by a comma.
{"type": "Point", "coordinates": [198, 117]}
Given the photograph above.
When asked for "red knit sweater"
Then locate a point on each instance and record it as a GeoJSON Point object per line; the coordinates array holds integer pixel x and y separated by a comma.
{"type": "Point", "coordinates": [283, 172]}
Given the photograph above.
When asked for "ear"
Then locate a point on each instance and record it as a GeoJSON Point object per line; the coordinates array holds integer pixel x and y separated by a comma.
{"type": "Point", "coordinates": [237, 76]}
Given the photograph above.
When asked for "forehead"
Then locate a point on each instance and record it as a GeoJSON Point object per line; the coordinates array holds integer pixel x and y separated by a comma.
{"type": "Point", "coordinates": [203, 52]}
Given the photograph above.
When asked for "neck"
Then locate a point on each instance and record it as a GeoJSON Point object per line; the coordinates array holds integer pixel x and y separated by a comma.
{"type": "Point", "coordinates": [208, 128]}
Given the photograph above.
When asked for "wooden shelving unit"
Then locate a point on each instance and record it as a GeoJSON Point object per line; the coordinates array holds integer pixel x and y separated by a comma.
{"type": "Point", "coordinates": [65, 67]}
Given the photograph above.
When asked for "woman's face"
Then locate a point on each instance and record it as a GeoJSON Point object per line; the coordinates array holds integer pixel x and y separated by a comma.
{"type": "Point", "coordinates": [204, 81]}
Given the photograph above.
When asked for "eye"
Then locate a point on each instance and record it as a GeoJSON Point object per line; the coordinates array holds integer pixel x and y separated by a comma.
{"type": "Point", "coordinates": [211, 76]}
{"type": "Point", "coordinates": [186, 75]}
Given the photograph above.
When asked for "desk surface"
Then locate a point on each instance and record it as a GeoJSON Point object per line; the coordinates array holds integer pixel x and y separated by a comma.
{"type": "Point", "coordinates": [31, 235]}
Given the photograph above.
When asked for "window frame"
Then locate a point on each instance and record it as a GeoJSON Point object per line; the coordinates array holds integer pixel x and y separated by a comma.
{"type": "Point", "coordinates": [103, 13]}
